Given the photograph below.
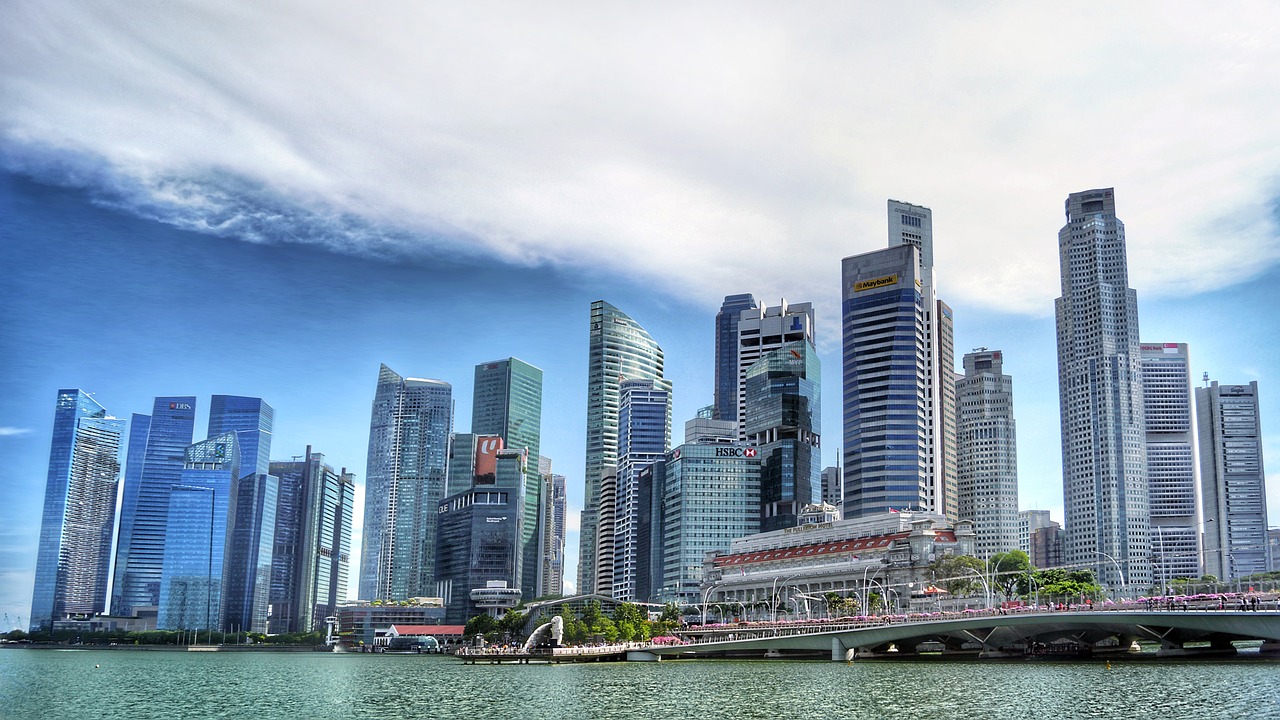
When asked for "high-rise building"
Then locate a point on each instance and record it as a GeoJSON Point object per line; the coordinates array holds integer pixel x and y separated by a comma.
{"type": "Point", "coordinates": [726, 346]}
{"type": "Point", "coordinates": [987, 472]}
{"type": "Point", "coordinates": [1104, 459]}
{"type": "Point", "coordinates": [782, 423]}
{"type": "Point", "coordinates": [250, 545]}
{"type": "Point", "coordinates": [198, 536]}
{"type": "Point", "coordinates": [832, 486]}
{"type": "Point", "coordinates": [252, 420]}
{"type": "Point", "coordinates": [1233, 480]}
{"type": "Point", "coordinates": [1172, 470]}
{"type": "Point", "coordinates": [73, 561]}
{"type": "Point", "coordinates": [619, 349]}
{"type": "Point", "coordinates": [643, 435]}
{"type": "Point", "coordinates": [311, 561]}
{"type": "Point", "coordinates": [157, 452]}
{"type": "Point", "coordinates": [762, 330]}
{"type": "Point", "coordinates": [405, 481]}
{"type": "Point", "coordinates": [1028, 522]}
{"type": "Point", "coordinates": [507, 402]}
{"type": "Point", "coordinates": [553, 528]}
{"type": "Point", "coordinates": [480, 531]}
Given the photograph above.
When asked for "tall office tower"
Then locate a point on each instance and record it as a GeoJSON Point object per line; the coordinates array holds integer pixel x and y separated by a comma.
{"type": "Point", "coordinates": [913, 225]}
{"type": "Point", "coordinates": [887, 437]}
{"type": "Point", "coordinates": [1028, 522]}
{"type": "Point", "coordinates": [553, 524]}
{"type": "Point", "coordinates": [765, 329]}
{"type": "Point", "coordinates": [643, 433]}
{"type": "Point", "coordinates": [1104, 458]}
{"type": "Point", "coordinates": [832, 486]}
{"type": "Point", "coordinates": [507, 402]}
{"type": "Point", "coordinates": [783, 421]}
{"type": "Point", "coordinates": [709, 493]}
{"type": "Point", "coordinates": [250, 552]}
{"type": "Point", "coordinates": [405, 481]}
{"type": "Point", "coordinates": [74, 559]}
{"type": "Point", "coordinates": [1233, 480]}
{"type": "Point", "coordinates": [198, 536]}
{"type": "Point", "coordinates": [619, 349]}
{"type": "Point", "coordinates": [480, 531]}
{"type": "Point", "coordinates": [1172, 470]}
{"type": "Point", "coordinates": [987, 473]}
{"type": "Point", "coordinates": [252, 420]}
{"type": "Point", "coordinates": [726, 393]}
{"type": "Point", "coordinates": [312, 555]}
{"type": "Point", "coordinates": [157, 451]}
{"type": "Point", "coordinates": [608, 524]}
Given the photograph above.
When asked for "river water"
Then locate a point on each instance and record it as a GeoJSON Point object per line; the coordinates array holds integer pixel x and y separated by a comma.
{"type": "Point", "coordinates": [112, 684]}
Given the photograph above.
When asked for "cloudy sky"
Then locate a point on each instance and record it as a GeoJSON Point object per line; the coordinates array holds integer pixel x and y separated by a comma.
{"type": "Point", "coordinates": [498, 166]}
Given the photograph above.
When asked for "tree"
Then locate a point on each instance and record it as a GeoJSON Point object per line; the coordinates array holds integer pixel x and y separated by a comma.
{"type": "Point", "coordinates": [959, 574]}
{"type": "Point", "coordinates": [1010, 571]}
{"type": "Point", "coordinates": [1062, 585]}
{"type": "Point", "coordinates": [480, 625]}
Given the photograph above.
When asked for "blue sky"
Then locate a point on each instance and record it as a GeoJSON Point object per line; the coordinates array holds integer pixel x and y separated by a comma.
{"type": "Point", "coordinates": [270, 200]}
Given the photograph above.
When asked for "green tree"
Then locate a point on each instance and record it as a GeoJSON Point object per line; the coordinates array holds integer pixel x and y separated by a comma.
{"type": "Point", "coordinates": [959, 574]}
{"type": "Point", "coordinates": [1010, 572]}
{"type": "Point", "coordinates": [480, 625]}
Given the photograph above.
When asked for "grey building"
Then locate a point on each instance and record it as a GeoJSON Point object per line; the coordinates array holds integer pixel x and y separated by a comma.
{"type": "Point", "coordinates": [832, 486]}
{"type": "Point", "coordinates": [987, 472]}
{"type": "Point", "coordinates": [1172, 469]}
{"type": "Point", "coordinates": [762, 330]}
{"type": "Point", "coordinates": [1233, 480]}
{"type": "Point", "coordinates": [1104, 458]}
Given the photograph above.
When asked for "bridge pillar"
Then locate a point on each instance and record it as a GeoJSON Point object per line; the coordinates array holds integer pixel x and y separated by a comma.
{"type": "Point", "coordinates": [1270, 646]}
{"type": "Point", "coordinates": [840, 653]}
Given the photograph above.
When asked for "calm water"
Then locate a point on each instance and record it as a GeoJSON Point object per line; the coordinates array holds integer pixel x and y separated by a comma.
{"type": "Point", "coordinates": [66, 684]}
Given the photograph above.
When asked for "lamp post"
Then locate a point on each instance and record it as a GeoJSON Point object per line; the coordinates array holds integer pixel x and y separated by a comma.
{"type": "Point", "coordinates": [706, 593]}
{"type": "Point", "coordinates": [985, 586]}
{"type": "Point", "coordinates": [1123, 586]}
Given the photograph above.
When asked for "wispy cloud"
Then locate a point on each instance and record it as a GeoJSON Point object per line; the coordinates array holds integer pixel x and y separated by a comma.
{"type": "Point", "coordinates": [12, 431]}
{"type": "Point", "coordinates": [706, 149]}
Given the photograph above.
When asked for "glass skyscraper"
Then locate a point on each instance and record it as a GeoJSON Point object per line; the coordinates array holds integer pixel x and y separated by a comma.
{"type": "Point", "coordinates": [727, 376]}
{"type": "Point", "coordinates": [405, 481]}
{"type": "Point", "coordinates": [74, 556]}
{"type": "Point", "coordinates": [619, 349]}
{"type": "Point", "coordinates": [1104, 451]}
{"type": "Point", "coordinates": [643, 431]}
{"type": "Point", "coordinates": [507, 402]}
{"type": "Point", "coordinates": [157, 452]}
{"type": "Point", "coordinates": [252, 420]}
{"type": "Point", "coordinates": [784, 423]}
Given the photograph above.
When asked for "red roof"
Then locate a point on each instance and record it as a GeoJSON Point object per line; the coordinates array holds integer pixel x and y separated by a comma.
{"type": "Point", "coordinates": [844, 546]}
{"type": "Point", "coordinates": [428, 629]}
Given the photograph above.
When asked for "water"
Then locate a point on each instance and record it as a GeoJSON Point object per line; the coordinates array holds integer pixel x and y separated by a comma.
{"type": "Point", "coordinates": [129, 684]}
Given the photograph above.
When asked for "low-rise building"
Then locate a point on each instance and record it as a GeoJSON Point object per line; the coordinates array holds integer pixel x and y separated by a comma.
{"type": "Point", "coordinates": [366, 620]}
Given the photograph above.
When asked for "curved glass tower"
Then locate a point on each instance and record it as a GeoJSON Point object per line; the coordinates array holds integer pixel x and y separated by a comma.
{"type": "Point", "coordinates": [619, 349]}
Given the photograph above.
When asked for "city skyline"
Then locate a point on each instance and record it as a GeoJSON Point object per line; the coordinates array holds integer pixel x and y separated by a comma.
{"type": "Point", "coordinates": [227, 232]}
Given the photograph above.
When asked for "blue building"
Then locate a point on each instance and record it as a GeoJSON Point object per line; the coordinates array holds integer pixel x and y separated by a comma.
{"type": "Point", "coordinates": [643, 419]}
{"type": "Point", "coordinates": [405, 481]}
{"type": "Point", "coordinates": [783, 422]}
{"type": "Point", "coordinates": [726, 391]}
{"type": "Point", "coordinates": [197, 534]}
{"type": "Point", "coordinates": [74, 557]}
{"type": "Point", "coordinates": [157, 452]}
{"type": "Point", "coordinates": [252, 420]}
{"type": "Point", "coordinates": [507, 402]}
{"type": "Point", "coordinates": [250, 545]}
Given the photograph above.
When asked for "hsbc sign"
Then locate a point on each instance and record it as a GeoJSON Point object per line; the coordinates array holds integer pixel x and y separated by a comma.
{"type": "Point", "coordinates": [736, 452]}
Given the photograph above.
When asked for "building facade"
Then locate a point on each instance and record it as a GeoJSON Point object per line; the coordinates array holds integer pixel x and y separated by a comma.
{"type": "Point", "coordinates": [762, 330]}
{"type": "Point", "coordinates": [156, 455]}
{"type": "Point", "coordinates": [643, 436]}
{"type": "Point", "coordinates": [1233, 480]}
{"type": "Point", "coordinates": [73, 560]}
{"type": "Point", "coordinates": [618, 349]}
{"type": "Point", "coordinates": [1172, 468]}
{"type": "Point", "coordinates": [726, 349]}
{"type": "Point", "coordinates": [783, 424]}
{"type": "Point", "coordinates": [1104, 459]}
{"type": "Point", "coordinates": [554, 532]}
{"type": "Point", "coordinates": [253, 422]}
{"type": "Point", "coordinates": [987, 472]}
{"type": "Point", "coordinates": [312, 556]}
{"type": "Point", "coordinates": [404, 483]}
{"type": "Point", "coordinates": [507, 402]}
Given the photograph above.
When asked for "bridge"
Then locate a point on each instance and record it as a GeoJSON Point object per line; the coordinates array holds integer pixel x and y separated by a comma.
{"type": "Point", "coordinates": [992, 633]}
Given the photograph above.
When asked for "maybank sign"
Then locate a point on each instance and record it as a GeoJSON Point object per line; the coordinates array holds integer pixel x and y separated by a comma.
{"type": "Point", "coordinates": [875, 283]}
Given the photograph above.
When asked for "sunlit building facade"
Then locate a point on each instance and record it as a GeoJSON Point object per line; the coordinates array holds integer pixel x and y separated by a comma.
{"type": "Point", "coordinates": [1233, 479]}
{"type": "Point", "coordinates": [987, 472]}
{"type": "Point", "coordinates": [1172, 469]}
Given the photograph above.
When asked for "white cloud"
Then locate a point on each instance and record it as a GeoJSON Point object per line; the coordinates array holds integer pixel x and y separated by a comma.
{"type": "Point", "coordinates": [11, 431]}
{"type": "Point", "coordinates": [704, 148]}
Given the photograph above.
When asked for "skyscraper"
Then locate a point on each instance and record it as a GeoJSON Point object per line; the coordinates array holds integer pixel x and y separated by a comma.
{"type": "Point", "coordinates": [987, 472]}
{"type": "Point", "coordinates": [252, 420]}
{"type": "Point", "coordinates": [157, 452]}
{"type": "Point", "coordinates": [1172, 471]}
{"type": "Point", "coordinates": [762, 330]}
{"type": "Point", "coordinates": [507, 402]}
{"type": "Point", "coordinates": [783, 421]}
{"type": "Point", "coordinates": [643, 432]}
{"type": "Point", "coordinates": [619, 349]}
{"type": "Point", "coordinates": [74, 557]}
{"type": "Point", "coordinates": [887, 447]}
{"type": "Point", "coordinates": [312, 556]}
{"type": "Point", "coordinates": [726, 346]}
{"type": "Point", "coordinates": [553, 528]}
{"type": "Point", "coordinates": [1233, 480]}
{"type": "Point", "coordinates": [1104, 459]}
{"type": "Point", "coordinates": [408, 445]}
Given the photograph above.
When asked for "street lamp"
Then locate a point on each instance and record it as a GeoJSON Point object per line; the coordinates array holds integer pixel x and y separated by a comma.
{"type": "Point", "coordinates": [1123, 586]}
{"type": "Point", "coordinates": [985, 586]}
{"type": "Point", "coordinates": [706, 593]}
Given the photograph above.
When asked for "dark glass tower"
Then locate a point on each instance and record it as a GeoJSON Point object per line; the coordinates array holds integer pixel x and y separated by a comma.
{"type": "Point", "coordinates": [643, 419]}
{"type": "Point", "coordinates": [784, 422]}
{"type": "Point", "coordinates": [726, 393]}
{"type": "Point", "coordinates": [252, 420]}
{"type": "Point", "coordinates": [507, 402]}
{"type": "Point", "coordinates": [74, 557]}
{"type": "Point", "coordinates": [405, 481]}
{"type": "Point", "coordinates": [157, 451]}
